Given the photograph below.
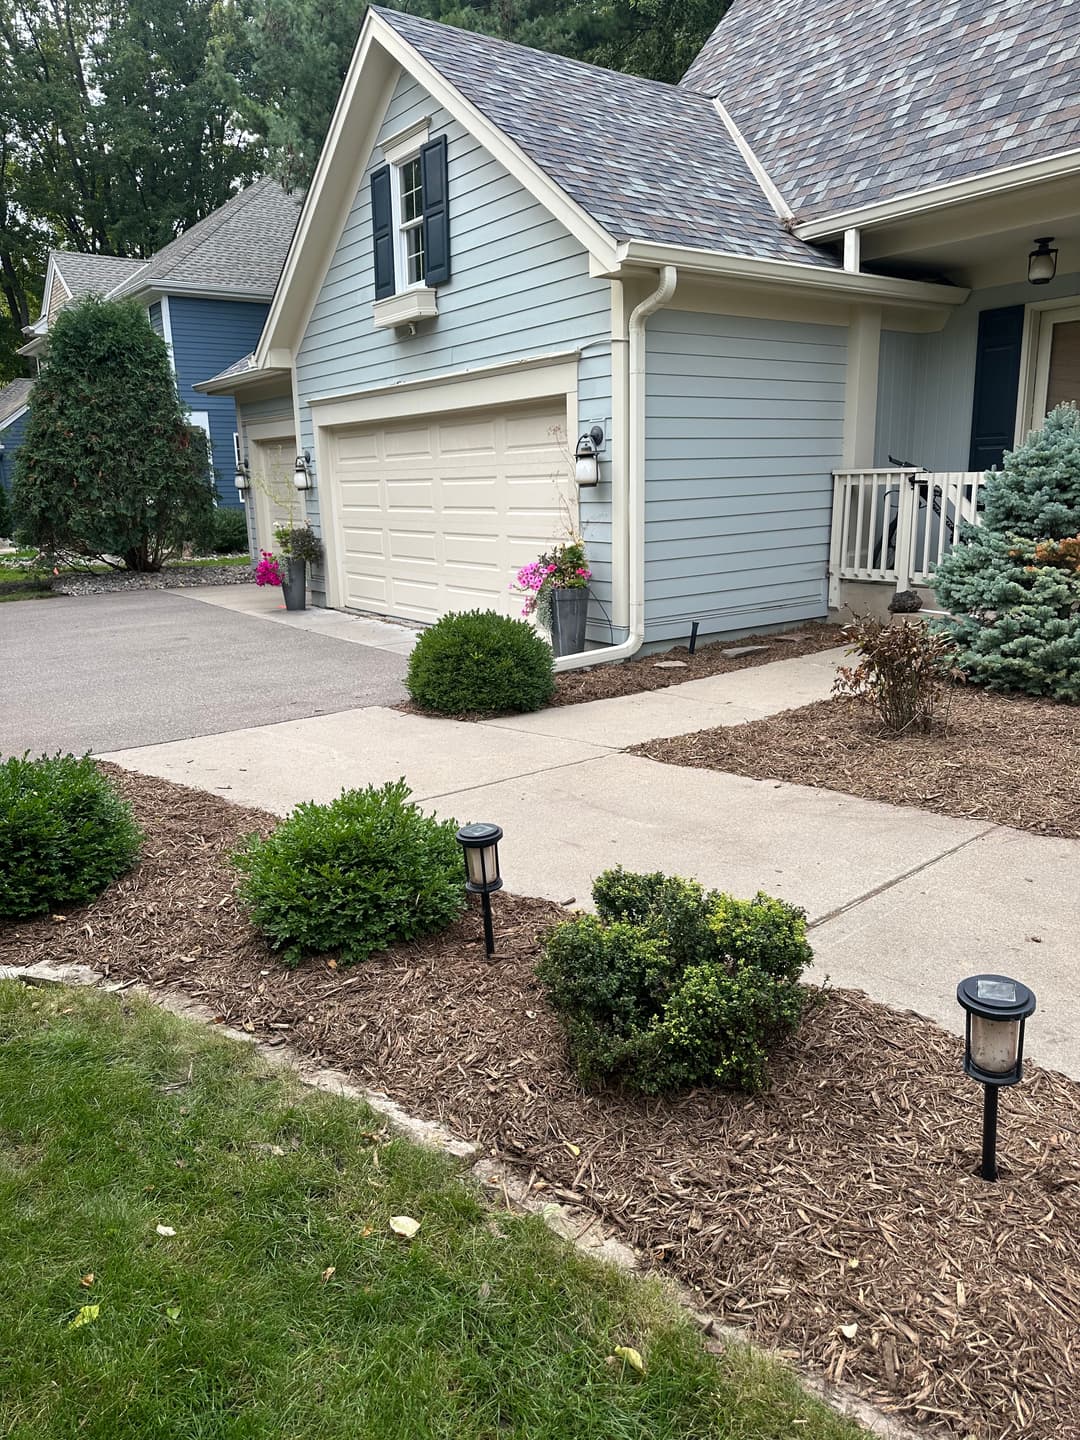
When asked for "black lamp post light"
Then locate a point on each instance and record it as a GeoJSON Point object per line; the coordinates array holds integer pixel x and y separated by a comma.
{"type": "Point", "coordinates": [480, 842]}
{"type": "Point", "coordinates": [997, 1009]}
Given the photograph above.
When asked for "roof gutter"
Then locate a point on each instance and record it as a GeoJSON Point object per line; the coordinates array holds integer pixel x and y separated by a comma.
{"type": "Point", "coordinates": [633, 441]}
{"type": "Point", "coordinates": [158, 289]}
{"type": "Point", "coordinates": [938, 197]}
{"type": "Point", "coordinates": [818, 278]}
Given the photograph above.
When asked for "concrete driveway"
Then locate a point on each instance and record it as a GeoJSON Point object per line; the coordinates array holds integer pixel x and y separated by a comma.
{"type": "Point", "coordinates": [106, 672]}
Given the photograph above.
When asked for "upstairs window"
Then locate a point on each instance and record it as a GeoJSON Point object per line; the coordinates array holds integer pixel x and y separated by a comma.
{"type": "Point", "coordinates": [411, 221]}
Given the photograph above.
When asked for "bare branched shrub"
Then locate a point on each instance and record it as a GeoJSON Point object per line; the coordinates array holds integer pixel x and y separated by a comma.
{"type": "Point", "coordinates": [902, 672]}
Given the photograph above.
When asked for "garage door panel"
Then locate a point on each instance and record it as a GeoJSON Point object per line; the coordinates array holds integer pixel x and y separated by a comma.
{"type": "Point", "coordinates": [360, 495]}
{"type": "Point", "coordinates": [413, 545]}
{"type": "Point", "coordinates": [482, 551]}
{"type": "Point", "coordinates": [466, 439]}
{"type": "Point", "coordinates": [413, 494]}
{"type": "Point", "coordinates": [414, 444]}
{"type": "Point", "coordinates": [366, 591]}
{"type": "Point", "coordinates": [356, 445]}
{"type": "Point", "coordinates": [360, 541]}
{"type": "Point", "coordinates": [533, 431]}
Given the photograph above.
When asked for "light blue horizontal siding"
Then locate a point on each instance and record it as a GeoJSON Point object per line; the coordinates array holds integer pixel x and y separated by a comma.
{"type": "Point", "coordinates": [744, 425]}
{"type": "Point", "coordinates": [926, 383]}
{"type": "Point", "coordinates": [520, 287]}
{"type": "Point", "coordinates": [271, 410]}
{"type": "Point", "coordinates": [208, 336]}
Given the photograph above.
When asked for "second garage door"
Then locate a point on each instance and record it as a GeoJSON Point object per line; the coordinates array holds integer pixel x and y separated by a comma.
{"type": "Point", "coordinates": [438, 514]}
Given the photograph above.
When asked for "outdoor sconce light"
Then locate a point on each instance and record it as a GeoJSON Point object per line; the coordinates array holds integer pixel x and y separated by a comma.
{"type": "Point", "coordinates": [241, 480]}
{"type": "Point", "coordinates": [480, 841]}
{"type": "Point", "coordinates": [997, 1009]}
{"type": "Point", "coordinates": [1042, 262]}
{"type": "Point", "coordinates": [302, 471]}
{"type": "Point", "coordinates": [586, 461]}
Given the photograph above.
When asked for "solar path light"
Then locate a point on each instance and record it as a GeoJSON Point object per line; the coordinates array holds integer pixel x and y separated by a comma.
{"type": "Point", "coordinates": [480, 842]}
{"type": "Point", "coordinates": [997, 1009]}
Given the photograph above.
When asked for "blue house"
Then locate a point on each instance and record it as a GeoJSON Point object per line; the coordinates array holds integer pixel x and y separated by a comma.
{"type": "Point", "coordinates": [801, 300]}
{"type": "Point", "coordinates": [207, 293]}
{"type": "Point", "coordinates": [14, 408]}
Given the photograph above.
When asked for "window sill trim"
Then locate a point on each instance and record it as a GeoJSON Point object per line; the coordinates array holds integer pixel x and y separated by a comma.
{"type": "Point", "coordinates": [405, 308]}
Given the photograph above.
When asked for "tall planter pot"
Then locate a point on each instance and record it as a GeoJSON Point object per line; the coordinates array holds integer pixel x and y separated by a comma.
{"type": "Point", "coordinates": [294, 585]}
{"type": "Point", "coordinates": [569, 615]}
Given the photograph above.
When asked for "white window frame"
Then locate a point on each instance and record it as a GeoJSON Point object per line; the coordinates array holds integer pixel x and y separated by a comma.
{"type": "Point", "coordinates": [398, 151]}
{"type": "Point", "coordinates": [1039, 321]}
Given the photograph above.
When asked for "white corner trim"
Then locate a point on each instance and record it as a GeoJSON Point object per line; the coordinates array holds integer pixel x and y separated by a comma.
{"type": "Point", "coordinates": [166, 330]}
{"type": "Point", "coordinates": [852, 251]}
{"type": "Point", "coordinates": [780, 206]}
{"type": "Point", "coordinates": [404, 144]}
{"type": "Point", "coordinates": [405, 308]}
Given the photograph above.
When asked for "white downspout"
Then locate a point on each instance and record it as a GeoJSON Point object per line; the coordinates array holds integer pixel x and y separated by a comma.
{"type": "Point", "coordinates": [633, 443]}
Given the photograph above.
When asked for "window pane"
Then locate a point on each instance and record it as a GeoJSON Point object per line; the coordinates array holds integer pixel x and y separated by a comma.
{"type": "Point", "coordinates": [414, 250]}
{"type": "Point", "coordinates": [412, 197]}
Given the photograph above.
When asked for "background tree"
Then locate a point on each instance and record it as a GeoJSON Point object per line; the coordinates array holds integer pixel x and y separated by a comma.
{"type": "Point", "coordinates": [109, 466]}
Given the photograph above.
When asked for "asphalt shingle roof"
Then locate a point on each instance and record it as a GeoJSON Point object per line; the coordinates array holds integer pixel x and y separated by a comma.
{"type": "Point", "coordinates": [648, 161]}
{"type": "Point", "coordinates": [241, 246]}
{"type": "Point", "coordinates": [12, 399]}
{"type": "Point", "coordinates": [92, 274]}
{"type": "Point", "coordinates": [847, 105]}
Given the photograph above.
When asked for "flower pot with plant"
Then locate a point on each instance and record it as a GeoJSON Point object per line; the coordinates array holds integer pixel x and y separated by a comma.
{"type": "Point", "coordinates": [300, 546]}
{"type": "Point", "coordinates": [556, 590]}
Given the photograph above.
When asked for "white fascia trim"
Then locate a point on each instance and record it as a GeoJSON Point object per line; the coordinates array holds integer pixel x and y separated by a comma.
{"type": "Point", "coordinates": [781, 208]}
{"type": "Point", "coordinates": [936, 197]}
{"type": "Point", "coordinates": [188, 289]}
{"type": "Point", "coordinates": [475, 372]}
{"type": "Point", "coordinates": [34, 348]}
{"type": "Point", "coordinates": [787, 272]}
{"type": "Point", "coordinates": [52, 274]}
{"type": "Point", "coordinates": [4, 424]}
{"type": "Point", "coordinates": [231, 384]}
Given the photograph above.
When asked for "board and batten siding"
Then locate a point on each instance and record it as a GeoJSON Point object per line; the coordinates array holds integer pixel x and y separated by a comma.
{"type": "Point", "coordinates": [926, 383]}
{"type": "Point", "coordinates": [207, 337]}
{"type": "Point", "coordinates": [520, 287]}
{"type": "Point", "coordinates": [743, 428]}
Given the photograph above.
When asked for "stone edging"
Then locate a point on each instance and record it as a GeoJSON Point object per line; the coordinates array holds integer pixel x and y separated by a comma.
{"type": "Point", "coordinates": [583, 1229]}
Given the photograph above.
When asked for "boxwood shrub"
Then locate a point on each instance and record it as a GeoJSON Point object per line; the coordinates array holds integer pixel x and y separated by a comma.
{"type": "Point", "coordinates": [65, 833]}
{"type": "Point", "coordinates": [352, 876]}
{"type": "Point", "coordinates": [669, 985]}
{"type": "Point", "coordinates": [478, 662]}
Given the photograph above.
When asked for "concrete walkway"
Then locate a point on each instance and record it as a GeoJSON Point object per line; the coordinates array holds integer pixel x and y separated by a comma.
{"type": "Point", "coordinates": [266, 603]}
{"type": "Point", "coordinates": [903, 903]}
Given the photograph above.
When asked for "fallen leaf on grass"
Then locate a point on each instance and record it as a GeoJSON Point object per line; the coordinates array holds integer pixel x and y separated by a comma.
{"type": "Point", "coordinates": [173, 1312]}
{"type": "Point", "coordinates": [404, 1225]}
{"type": "Point", "coordinates": [86, 1316]}
{"type": "Point", "coordinates": [329, 1273]}
{"type": "Point", "coordinates": [87, 1280]}
{"type": "Point", "coordinates": [631, 1356]}
{"type": "Point", "coordinates": [164, 1229]}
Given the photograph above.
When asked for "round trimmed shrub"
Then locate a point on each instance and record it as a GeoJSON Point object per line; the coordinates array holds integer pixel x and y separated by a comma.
{"type": "Point", "coordinates": [478, 662]}
{"type": "Point", "coordinates": [352, 876]}
{"type": "Point", "coordinates": [64, 834]}
{"type": "Point", "coordinates": [670, 985]}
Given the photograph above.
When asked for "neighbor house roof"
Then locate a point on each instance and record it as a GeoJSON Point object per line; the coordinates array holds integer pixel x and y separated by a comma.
{"type": "Point", "coordinates": [850, 105]}
{"type": "Point", "coordinates": [14, 397]}
{"type": "Point", "coordinates": [241, 246]}
{"type": "Point", "coordinates": [92, 274]}
{"type": "Point", "coordinates": [647, 161]}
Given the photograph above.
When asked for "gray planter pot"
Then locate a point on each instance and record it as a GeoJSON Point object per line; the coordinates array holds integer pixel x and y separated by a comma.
{"type": "Point", "coordinates": [569, 615]}
{"type": "Point", "coordinates": [294, 585]}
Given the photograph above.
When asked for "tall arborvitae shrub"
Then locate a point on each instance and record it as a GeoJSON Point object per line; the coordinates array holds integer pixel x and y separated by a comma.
{"type": "Point", "coordinates": [1015, 603]}
{"type": "Point", "coordinates": [110, 468]}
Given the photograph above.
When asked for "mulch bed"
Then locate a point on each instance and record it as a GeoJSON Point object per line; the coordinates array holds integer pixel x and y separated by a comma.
{"type": "Point", "coordinates": [1003, 758]}
{"type": "Point", "coordinates": [838, 1216]}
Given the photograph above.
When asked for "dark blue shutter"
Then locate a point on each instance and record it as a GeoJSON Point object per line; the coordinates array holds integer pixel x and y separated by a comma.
{"type": "Point", "coordinates": [997, 382]}
{"type": "Point", "coordinates": [436, 212]}
{"type": "Point", "coordinates": [382, 226]}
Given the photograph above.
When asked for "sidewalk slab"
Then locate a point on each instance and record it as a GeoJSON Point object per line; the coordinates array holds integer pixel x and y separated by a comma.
{"type": "Point", "coordinates": [266, 603]}
{"type": "Point", "coordinates": [1009, 903]}
{"type": "Point", "coordinates": [274, 767]}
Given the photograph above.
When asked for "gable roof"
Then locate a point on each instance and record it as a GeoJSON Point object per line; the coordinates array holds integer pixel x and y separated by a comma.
{"type": "Point", "coordinates": [241, 246]}
{"type": "Point", "coordinates": [92, 274]}
{"type": "Point", "coordinates": [646, 160]}
{"type": "Point", "coordinates": [14, 398]}
{"type": "Point", "coordinates": [850, 105]}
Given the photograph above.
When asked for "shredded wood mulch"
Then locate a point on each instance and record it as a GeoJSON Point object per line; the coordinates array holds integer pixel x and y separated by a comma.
{"type": "Point", "coordinates": [838, 1216]}
{"type": "Point", "coordinates": [1002, 758]}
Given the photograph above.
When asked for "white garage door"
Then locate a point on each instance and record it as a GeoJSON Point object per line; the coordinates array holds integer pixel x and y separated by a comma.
{"type": "Point", "coordinates": [439, 513]}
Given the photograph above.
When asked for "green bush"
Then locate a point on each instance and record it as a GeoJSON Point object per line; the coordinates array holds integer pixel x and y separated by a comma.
{"type": "Point", "coordinates": [479, 662]}
{"type": "Point", "coordinates": [64, 834]}
{"type": "Point", "coordinates": [670, 985]}
{"type": "Point", "coordinates": [7, 524]}
{"type": "Point", "coordinates": [230, 532]}
{"type": "Point", "coordinates": [352, 876]}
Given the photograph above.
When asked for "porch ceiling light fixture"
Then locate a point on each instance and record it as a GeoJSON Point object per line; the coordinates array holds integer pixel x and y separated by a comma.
{"type": "Point", "coordinates": [302, 477]}
{"type": "Point", "coordinates": [480, 842]}
{"type": "Point", "coordinates": [1042, 261]}
{"type": "Point", "coordinates": [997, 1009]}
{"type": "Point", "coordinates": [586, 457]}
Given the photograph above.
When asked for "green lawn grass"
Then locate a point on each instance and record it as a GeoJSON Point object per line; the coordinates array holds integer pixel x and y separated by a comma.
{"type": "Point", "coordinates": [116, 1118]}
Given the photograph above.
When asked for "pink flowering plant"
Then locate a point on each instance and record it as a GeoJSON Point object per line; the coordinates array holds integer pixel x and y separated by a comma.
{"type": "Point", "coordinates": [564, 568]}
{"type": "Point", "coordinates": [267, 571]}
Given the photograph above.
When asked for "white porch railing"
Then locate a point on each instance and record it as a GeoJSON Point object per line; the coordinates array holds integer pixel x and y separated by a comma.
{"type": "Point", "coordinates": [895, 525]}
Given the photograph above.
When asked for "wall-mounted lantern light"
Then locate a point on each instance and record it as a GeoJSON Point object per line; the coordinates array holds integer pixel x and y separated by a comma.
{"type": "Point", "coordinates": [1042, 262]}
{"type": "Point", "coordinates": [302, 477]}
{"type": "Point", "coordinates": [480, 841]}
{"type": "Point", "coordinates": [997, 1009]}
{"type": "Point", "coordinates": [242, 482]}
{"type": "Point", "coordinates": [586, 457]}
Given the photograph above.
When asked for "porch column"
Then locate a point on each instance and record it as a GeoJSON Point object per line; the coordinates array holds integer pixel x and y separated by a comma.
{"type": "Point", "coordinates": [860, 395]}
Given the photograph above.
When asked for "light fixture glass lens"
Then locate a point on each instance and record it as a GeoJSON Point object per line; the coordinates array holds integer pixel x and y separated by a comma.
{"type": "Point", "coordinates": [995, 1044]}
{"type": "Point", "coordinates": [481, 864]}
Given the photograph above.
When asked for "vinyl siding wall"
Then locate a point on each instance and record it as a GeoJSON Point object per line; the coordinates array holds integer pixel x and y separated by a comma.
{"type": "Point", "coordinates": [520, 286]}
{"type": "Point", "coordinates": [744, 426]}
{"type": "Point", "coordinates": [11, 437]}
{"type": "Point", "coordinates": [926, 383]}
{"type": "Point", "coordinates": [208, 336]}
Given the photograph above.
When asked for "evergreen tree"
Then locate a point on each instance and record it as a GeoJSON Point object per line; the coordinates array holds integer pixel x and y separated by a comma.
{"type": "Point", "coordinates": [1014, 593]}
{"type": "Point", "coordinates": [6, 523]}
{"type": "Point", "coordinates": [109, 468]}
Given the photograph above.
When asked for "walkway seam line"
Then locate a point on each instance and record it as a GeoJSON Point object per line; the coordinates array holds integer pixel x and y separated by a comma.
{"type": "Point", "coordinates": [522, 775]}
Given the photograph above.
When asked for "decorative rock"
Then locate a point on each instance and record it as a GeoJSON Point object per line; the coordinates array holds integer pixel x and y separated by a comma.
{"type": "Point", "coordinates": [173, 578]}
{"type": "Point", "coordinates": [670, 664]}
{"type": "Point", "coordinates": [738, 651]}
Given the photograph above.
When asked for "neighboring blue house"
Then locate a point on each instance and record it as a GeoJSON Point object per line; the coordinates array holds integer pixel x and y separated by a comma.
{"type": "Point", "coordinates": [207, 294]}
{"type": "Point", "coordinates": [14, 408]}
{"type": "Point", "coordinates": [827, 246]}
